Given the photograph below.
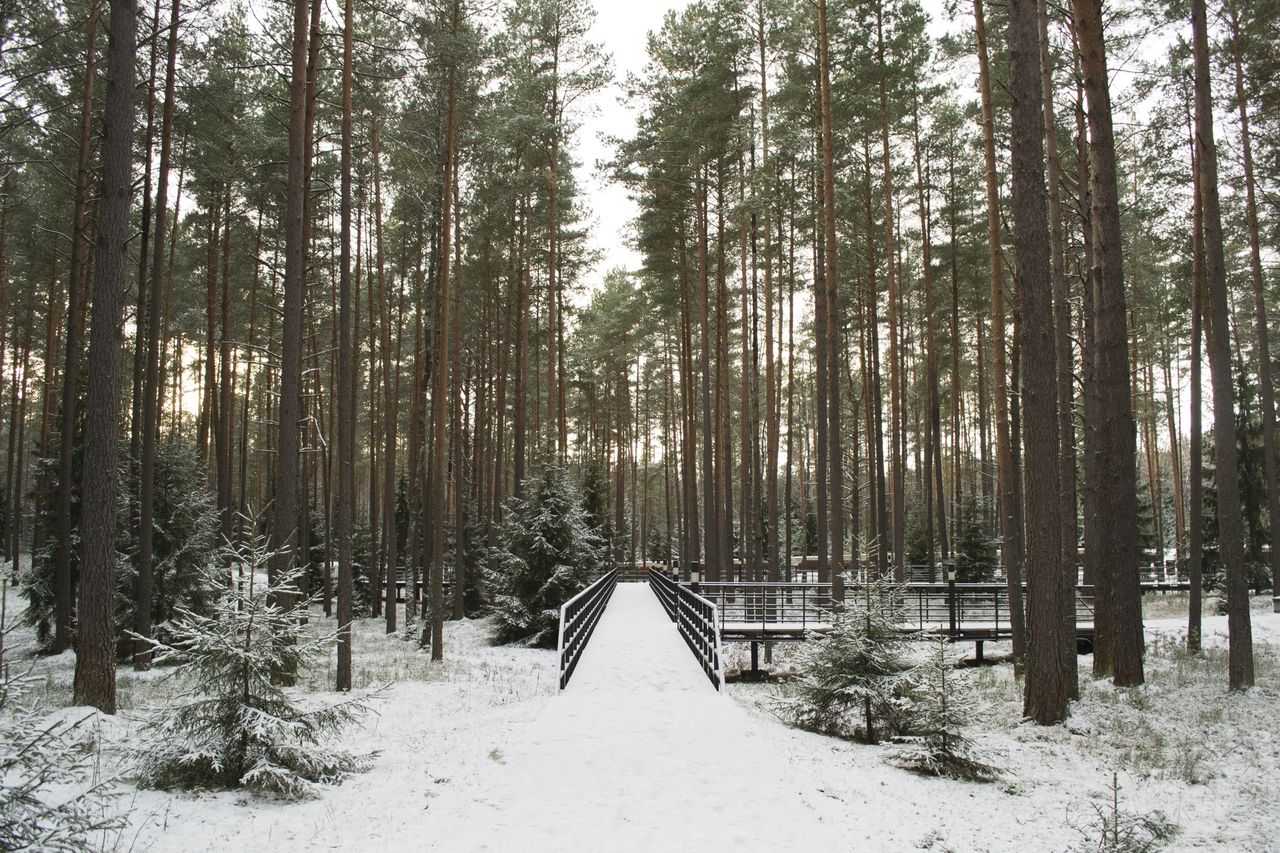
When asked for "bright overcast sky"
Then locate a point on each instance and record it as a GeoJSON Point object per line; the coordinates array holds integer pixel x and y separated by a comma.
{"type": "Point", "coordinates": [622, 27]}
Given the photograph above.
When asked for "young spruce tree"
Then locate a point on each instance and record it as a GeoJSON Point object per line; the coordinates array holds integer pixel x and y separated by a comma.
{"type": "Point", "coordinates": [547, 553]}
{"type": "Point", "coordinates": [235, 726]}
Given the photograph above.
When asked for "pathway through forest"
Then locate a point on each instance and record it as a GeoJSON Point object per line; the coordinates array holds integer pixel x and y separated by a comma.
{"type": "Point", "coordinates": [641, 753]}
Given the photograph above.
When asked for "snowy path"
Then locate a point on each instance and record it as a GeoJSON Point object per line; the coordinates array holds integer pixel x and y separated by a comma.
{"type": "Point", "coordinates": [639, 753]}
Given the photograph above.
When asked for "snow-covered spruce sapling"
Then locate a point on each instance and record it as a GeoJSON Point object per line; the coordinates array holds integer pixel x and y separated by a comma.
{"type": "Point", "coordinates": [940, 704]}
{"type": "Point", "coordinates": [856, 678]}
{"type": "Point", "coordinates": [49, 797]}
{"type": "Point", "coordinates": [1110, 828]}
{"type": "Point", "coordinates": [233, 725]}
{"type": "Point", "coordinates": [547, 552]}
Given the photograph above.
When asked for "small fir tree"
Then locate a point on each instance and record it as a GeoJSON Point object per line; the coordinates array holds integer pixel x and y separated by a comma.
{"type": "Point", "coordinates": [234, 726]}
{"type": "Point", "coordinates": [940, 706]}
{"type": "Point", "coordinates": [547, 552]}
{"type": "Point", "coordinates": [856, 679]}
{"type": "Point", "coordinates": [49, 799]}
{"type": "Point", "coordinates": [975, 556]}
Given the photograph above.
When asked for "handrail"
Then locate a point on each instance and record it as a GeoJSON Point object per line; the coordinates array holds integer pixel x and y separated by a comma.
{"type": "Point", "coordinates": [776, 608]}
{"type": "Point", "coordinates": [578, 618]}
{"type": "Point", "coordinates": [666, 588]}
{"type": "Point", "coordinates": [697, 620]}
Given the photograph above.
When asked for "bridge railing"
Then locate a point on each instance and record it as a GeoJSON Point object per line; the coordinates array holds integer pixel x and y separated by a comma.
{"type": "Point", "coordinates": [764, 606]}
{"type": "Point", "coordinates": [763, 609]}
{"type": "Point", "coordinates": [974, 607]}
{"type": "Point", "coordinates": [666, 588]}
{"type": "Point", "coordinates": [697, 619]}
{"type": "Point", "coordinates": [578, 618]}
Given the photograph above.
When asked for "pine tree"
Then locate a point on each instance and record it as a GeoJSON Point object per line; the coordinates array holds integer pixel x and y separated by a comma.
{"type": "Point", "coordinates": [975, 551]}
{"type": "Point", "coordinates": [47, 799]}
{"type": "Point", "coordinates": [547, 553]}
{"type": "Point", "coordinates": [856, 679]}
{"type": "Point", "coordinates": [941, 707]}
{"type": "Point", "coordinates": [233, 725]}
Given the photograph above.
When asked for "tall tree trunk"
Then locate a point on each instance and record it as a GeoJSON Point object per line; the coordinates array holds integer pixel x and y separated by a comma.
{"type": "Point", "coordinates": [1195, 490]}
{"type": "Point", "coordinates": [64, 592]}
{"type": "Point", "coordinates": [284, 528]}
{"type": "Point", "coordinates": [1065, 377]}
{"type": "Point", "coordinates": [392, 409]}
{"type": "Point", "coordinates": [1007, 474]}
{"type": "Point", "coordinates": [441, 391]}
{"type": "Point", "coordinates": [346, 366]}
{"type": "Point", "coordinates": [897, 465]}
{"type": "Point", "coordinates": [95, 677]}
{"type": "Point", "coordinates": [835, 465]}
{"type": "Point", "coordinates": [140, 312]}
{"type": "Point", "coordinates": [1116, 492]}
{"type": "Point", "coordinates": [1047, 687]}
{"type": "Point", "coordinates": [771, 409]}
{"type": "Point", "coordinates": [710, 525]}
{"type": "Point", "coordinates": [1263, 353]}
{"type": "Point", "coordinates": [151, 379]}
{"type": "Point", "coordinates": [1230, 531]}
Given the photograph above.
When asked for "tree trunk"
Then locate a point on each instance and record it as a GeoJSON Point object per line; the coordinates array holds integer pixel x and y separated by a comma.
{"type": "Point", "coordinates": [440, 393]}
{"type": "Point", "coordinates": [346, 366]}
{"type": "Point", "coordinates": [897, 465]}
{"type": "Point", "coordinates": [1010, 535]}
{"type": "Point", "coordinates": [95, 676]}
{"type": "Point", "coordinates": [64, 592]}
{"type": "Point", "coordinates": [151, 380]}
{"type": "Point", "coordinates": [1115, 437]}
{"type": "Point", "coordinates": [1047, 687]}
{"type": "Point", "coordinates": [1263, 353]}
{"type": "Point", "coordinates": [284, 528]}
{"type": "Point", "coordinates": [1230, 532]}
{"type": "Point", "coordinates": [1195, 490]}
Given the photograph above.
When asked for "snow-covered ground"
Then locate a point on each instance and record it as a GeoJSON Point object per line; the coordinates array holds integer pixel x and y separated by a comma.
{"type": "Point", "coordinates": [640, 753]}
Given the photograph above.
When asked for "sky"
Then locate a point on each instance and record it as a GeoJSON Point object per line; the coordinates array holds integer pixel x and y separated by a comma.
{"type": "Point", "coordinates": [621, 27]}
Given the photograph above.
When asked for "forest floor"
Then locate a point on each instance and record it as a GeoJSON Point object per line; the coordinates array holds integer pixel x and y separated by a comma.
{"type": "Point", "coordinates": [471, 752]}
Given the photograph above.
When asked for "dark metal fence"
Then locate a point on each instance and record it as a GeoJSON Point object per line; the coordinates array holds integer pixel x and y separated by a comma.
{"type": "Point", "coordinates": [578, 618]}
{"type": "Point", "coordinates": [777, 611]}
{"type": "Point", "coordinates": [697, 619]}
{"type": "Point", "coordinates": [972, 609]}
{"type": "Point", "coordinates": [768, 608]}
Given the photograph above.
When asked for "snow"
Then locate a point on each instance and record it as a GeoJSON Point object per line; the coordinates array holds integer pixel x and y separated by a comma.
{"type": "Point", "coordinates": [638, 748]}
{"type": "Point", "coordinates": [641, 753]}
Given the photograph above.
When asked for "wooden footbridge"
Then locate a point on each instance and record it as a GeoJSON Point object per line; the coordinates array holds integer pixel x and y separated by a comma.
{"type": "Point", "coordinates": [709, 614]}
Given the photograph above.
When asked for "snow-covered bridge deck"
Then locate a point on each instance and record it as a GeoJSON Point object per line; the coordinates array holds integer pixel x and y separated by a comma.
{"type": "Point", "coordinates": [640, 753]}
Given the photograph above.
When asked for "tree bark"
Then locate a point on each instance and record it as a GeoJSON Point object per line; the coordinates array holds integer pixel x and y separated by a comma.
{"type": "Point", "coordinates": [1047, 679]}
{"type": "Point", "coordinates": [1230, 530]}
{"type": "Point", "coordinates": [95, 676]}
{"type": "Point", "coordinates": [284, 528]}
{"type": "Point", "coordinates": [64, 595]}
{"type": "Point", "coordinates": [1010, 535]}
{"type": "Point", "coordinates": [151, 378]}
{"type": "Point", "coordinates": [1115, 493]}
{"type": "Point", "coordinates": [1266, 387]}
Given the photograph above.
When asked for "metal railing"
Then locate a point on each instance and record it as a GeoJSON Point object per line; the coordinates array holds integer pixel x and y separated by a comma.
{"type": "Point", "coordinates": [578, 618]}
{"type": "Point", "coordinates": [972, 609]}
{"type": "Point", "coordinates": [764, 607]}
{"type": "Point", "coordinates": [772, 611]}
{"type": "Point", "coordinates": [697, 619]}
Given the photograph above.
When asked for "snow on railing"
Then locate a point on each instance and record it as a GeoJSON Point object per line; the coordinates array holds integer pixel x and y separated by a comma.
{"type": "Point", "coordinates": [578, 618]}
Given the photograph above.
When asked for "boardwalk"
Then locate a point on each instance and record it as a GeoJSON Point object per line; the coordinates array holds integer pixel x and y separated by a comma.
{"type": "Point", "coordinates": [640, 753]}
